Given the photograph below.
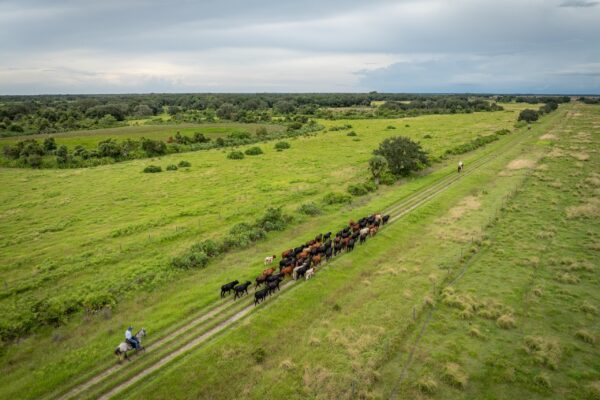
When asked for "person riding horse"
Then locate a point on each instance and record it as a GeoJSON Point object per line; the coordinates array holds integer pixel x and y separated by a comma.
{"type": "Point", "coordinates": [460, 166]}
{"type": "Point", "coordinates": [131, 339]}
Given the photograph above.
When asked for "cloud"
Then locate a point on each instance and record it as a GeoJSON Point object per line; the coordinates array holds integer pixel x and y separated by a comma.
{"type": "Point", "coordinates": [578, 3]}
{"type": "Point", "coordinates": [330, 45]}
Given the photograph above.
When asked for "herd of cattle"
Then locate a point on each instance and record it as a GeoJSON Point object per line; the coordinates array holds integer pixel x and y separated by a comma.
{"type": "Point", "coordinates": [302, 261]}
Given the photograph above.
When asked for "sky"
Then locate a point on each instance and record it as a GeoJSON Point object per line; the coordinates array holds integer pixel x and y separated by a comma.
{"type": "Point", "coordinates": [433, 46]}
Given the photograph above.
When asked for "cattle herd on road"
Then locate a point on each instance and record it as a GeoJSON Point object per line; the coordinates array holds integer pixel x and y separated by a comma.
{"type": "Point", "coordinates": [302, 261]}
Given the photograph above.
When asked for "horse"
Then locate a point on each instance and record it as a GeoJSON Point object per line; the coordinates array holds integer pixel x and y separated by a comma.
{"type": "Point", "coordinates": [124, 347]}
{"type": "Point", "coordinates": [460, 166]}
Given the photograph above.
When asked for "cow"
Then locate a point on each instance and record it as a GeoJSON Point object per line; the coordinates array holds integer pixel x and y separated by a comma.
{"type": "Point", "coordinates": [226, 288]}
{"type": "Point", "coordinates": [260, 295]}
{"type": "Point", "coordinates": [309, 274]}
{"type": "Point", "coordinates": [373, 231]}
{"type": "Point", "coordinates": [327, 235]}
{"type": "Point", "coordinates": [363, 238]}
{"type": "Point", "coordinates": [301, 271]}
{"type": "Point", "coordinates": [272, 286]}
{"type": "Point", "coordinates": [275, 277]}
{"type": "Point", "coordinates": [262, 278]}
{"type": "Point", "coordinates": [287, 271]}
{"type": "Point", "coordinates": [241, 289]}
{"type": "Point", "coordinates": [328, 253]}
{"type": "Point", "coordinates": [316, 260]}
{"type": "Point", "coordinates": [337, 248]}
{"type": "Point", "coordinates": [364, 231]}
{"type": "Point", "coordinates": [385, 219]}
{"type": "Point", "coordinates": [350, 245]}
{"type": "Point", "coordinates": [268, 271]}
{"type": "Point", "coordinates": [269, 259]}
{"type": "Point", "coordinates": [287, 253]}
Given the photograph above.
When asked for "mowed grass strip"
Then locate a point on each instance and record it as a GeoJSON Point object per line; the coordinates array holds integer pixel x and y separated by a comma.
{"type": "Point", "coordinates": [539, 272]}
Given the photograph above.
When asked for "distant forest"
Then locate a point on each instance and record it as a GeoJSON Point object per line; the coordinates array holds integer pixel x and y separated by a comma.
{"type": "Point", "coordinates": [22, 115]}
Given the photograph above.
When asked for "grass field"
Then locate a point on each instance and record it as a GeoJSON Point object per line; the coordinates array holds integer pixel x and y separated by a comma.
{"type": "Point", "coordinates": [112, 229]}
{"type": "Point", "coordinates": [91, 138]}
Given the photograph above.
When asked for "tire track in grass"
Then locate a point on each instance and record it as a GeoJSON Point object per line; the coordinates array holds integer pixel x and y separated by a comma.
{"type": "Point", "coordinates": [174, 348]}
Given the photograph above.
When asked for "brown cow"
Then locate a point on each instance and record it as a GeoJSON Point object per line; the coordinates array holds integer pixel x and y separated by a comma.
{"type": "Point", "coordinates": [345, 242]}
{"type": "Point", "coordinates": [287, 271]}
{"type": "Point", "coordinates": [316, 260]}
{"type": "Point", "coordinates": [287, 253]}
{"type": "Point", "coordinates": [373, 231]}
{"type": "Point", "coordinates": [268, 271]}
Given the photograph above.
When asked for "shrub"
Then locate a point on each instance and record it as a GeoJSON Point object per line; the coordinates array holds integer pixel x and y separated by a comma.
{"type": "Point", "coordinates": [506, 321]}
{"type": "Point", "coordinates": [184, 164]}
{"type": "Point", "coordinates": [153, 147]}
{"type": "Point", "coordinates": [151, 169]}
{"type": "Point", "coordinates": [254, 151]}
{"type": "Point", "coordinates": [273, 220]}
{"type": "Point", "coordinates": [357, 190]}
{"type": "Point", "coordinates": [585, 335]}
{"type": "Point", "coordinates": [427, 385]}
{"type": "Point", "coordinates": [455, 376]}
{"type": "Point", "coordinates": [261, 131]}
{"type": "Point", "coordinates": [336, 198]}
{"type": "Point", "coordinates": [528, 115]}
{"type": "Point", "coordinates": [472, 145]}
{"type": "Point", "coordinates": [309, 209]}
{"type": "Point", "coordinates": [294, 126]}
{"type": "Point", "coordinates": [502, 132]}
{"type": "Point", "coordinates": [34, 160]}
{"type": "Point", "coordinates": [49, 145]}
{"type": "Point", "coordinates": [235, 155]}
{"type": "Point", "coordinates": [427, 136]}
{"type": "Point", "coordinates": [390, 127]}
{"type": "Point", "coordinates": [279, 146]}
{"type": "Point", "coordinates": [259, 355]}
{"type": "Point", "coordinates": [193, 259]}
{"type": "Point", "coordinates": [171, 167]}
{"type": "Point", "coordinates": [200, 138]}
{"type": "Point", "coordinates": [387, 178]}
{"type": "Point", "coordinates": [351, 133]}
{"type": "Point", "coordinates": [208, 247]}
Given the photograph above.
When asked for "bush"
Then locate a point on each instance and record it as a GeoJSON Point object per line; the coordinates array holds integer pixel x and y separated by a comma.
{"type": "Point", "coordinates": [294, 126]}
{"type": "Point", "coordinates": [151, 169]}
{"type": "Point", "coordinates": [235, 155]}
{"type": "Point", "coordinates": [427, 136]}
{"type": "Point", "coordinates": [208, 247]}
{"type": "Point", "coordinates": [184, 164]}
{"type": "Point", "coordinates": [153, 147]}
{"type": "Point", "coordinates": [502, 132]}
{"type": "Point", "coordinates": [336, 198]}
{"type": "Point", "coordinates": [171, 167]}
{"type": "Point", "coordinates": [309, 209]}
{"type": "Point", "coordinates": [273, 220]}
{"type": "Point", "coordinates": [472, 145]}
{"type": "Point", "coordinates": [194, 259]}
{"type": "Point", "coordinates": [279, 146]}
{"type": "Point", "coordinates": [387, 178]}
{"type": "Point", "coordinates": [261, 131]}
{"type": "Point", "coordinates": [360, 189]}
{"type": "Point", "coordinates": [390, 127]}
{"type": "Point", "coordinates": [351, 133]}
{"type": "Point", "coordinates": [528, 115]}
{"type": "Point", "coordinates": [254, 151]}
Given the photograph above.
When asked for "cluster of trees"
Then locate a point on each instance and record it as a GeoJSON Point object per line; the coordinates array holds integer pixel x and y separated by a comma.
{"type": "Point", "coordinates": [46, 154]}
{"type": "Point", "coordinates": [57, 113]}
{"type": "Point", "coordinates": [533, 99]}
{"type": "Point", "coordinates": [529, 115]}
{"type": "Point", "coordinates": [396, 157]}
{"type": "Point", "coordinates": [590, 100]}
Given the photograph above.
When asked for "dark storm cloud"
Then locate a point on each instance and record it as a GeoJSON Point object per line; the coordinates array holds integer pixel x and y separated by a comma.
{"type": "Point", "coordinates": [234, 45]}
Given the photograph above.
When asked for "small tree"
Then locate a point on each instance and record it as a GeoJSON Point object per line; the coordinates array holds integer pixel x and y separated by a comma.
{"type": "Point", "coordinates": [377, 164]}
{"type": "Point", "coordinates": [528, 115]}
{"type": "Point", "coordinates": [402, 154]}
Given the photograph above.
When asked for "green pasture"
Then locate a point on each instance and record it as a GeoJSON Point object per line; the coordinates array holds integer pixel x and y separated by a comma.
{"type": "Point", "coordinates": [335, 336]}
{"type": "Point", "coordinates": [540, 265]}
{"type": "Point", "coordinates": [113, 230]}
{"type": "Point", "coordinates": [91, 138]}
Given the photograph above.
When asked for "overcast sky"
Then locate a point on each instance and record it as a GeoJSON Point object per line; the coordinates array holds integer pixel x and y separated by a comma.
{"type": "Point", "coordinates": [124, 46]}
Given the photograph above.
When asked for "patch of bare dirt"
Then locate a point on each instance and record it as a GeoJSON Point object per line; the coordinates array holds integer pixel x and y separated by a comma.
{"type": "Point", "coordinates": [521, 164]}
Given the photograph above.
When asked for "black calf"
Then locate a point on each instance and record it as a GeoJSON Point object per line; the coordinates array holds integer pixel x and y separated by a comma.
{"type": "Point", "coordinates": [272, 286]}
{"type": "Point", "coordinates": [226, 288]}
{"type": "Point", "coordinates": [350, 246]}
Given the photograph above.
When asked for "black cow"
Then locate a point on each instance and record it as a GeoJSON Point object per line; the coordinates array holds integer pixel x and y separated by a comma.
{"type": "Point", "coordinates": [274, 277]}
{"type": "Point", "coordinates": [355, 235]}
{"type": "Point", "coordinates": [226, 288]}
{"type": "Point", "coordinates": [302, 270]}
{"type": "Point", "coordinates": [272, 286]}
{"type": "Point", "coordinates": [386, 218]}
{"type": "Point", "coordinates": [241, 289]}
{"type": "Point", "coordinates": [350, 246]}
{"type": "Point", "coordinates": [328, 253]}
{"type": "Point", "coordinates": [363, 238]}
{"type": "Point", "coordinates": [337, 248]}
{"type": "Point", "coordinates": [327, 235]}
{"type": "Point", "coordinates": [260, 295]}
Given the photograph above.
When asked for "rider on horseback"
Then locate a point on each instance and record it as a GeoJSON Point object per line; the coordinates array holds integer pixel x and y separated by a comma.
{"type": "Point", "coordinates": [131, 339]}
